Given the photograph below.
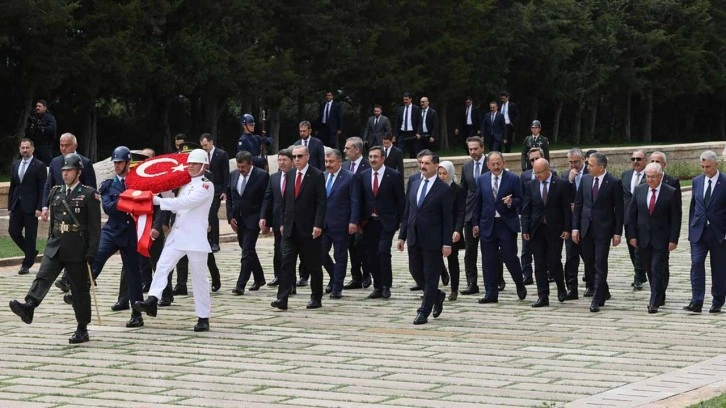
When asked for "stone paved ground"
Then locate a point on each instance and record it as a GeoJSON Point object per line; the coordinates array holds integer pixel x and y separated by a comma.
{"type": "Point", "coordinates": [355, 352]}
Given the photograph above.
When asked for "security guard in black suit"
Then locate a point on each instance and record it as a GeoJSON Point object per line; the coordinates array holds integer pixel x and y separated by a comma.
{"type": "Point", "coordinates": [75, 219]}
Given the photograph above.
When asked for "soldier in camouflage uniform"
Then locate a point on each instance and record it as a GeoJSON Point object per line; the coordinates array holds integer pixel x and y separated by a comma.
{"type": "Point", "coordinates": [74, 234]}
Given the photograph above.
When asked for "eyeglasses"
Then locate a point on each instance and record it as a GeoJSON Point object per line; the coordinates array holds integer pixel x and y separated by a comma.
{"type": "Point", "coordinates": [636, 159]}
{"type": "Point", "coordinates": [298, 156]}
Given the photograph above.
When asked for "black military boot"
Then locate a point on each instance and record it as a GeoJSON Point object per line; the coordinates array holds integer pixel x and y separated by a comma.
{"type": "Point", "coordinates": [80, 336]}
{"type": "Point", "coordinates": [202, 324]}
{"type": "Point", "coordinates": [148, 306]}
{"type": "Point", "coordinates": [24, 310]}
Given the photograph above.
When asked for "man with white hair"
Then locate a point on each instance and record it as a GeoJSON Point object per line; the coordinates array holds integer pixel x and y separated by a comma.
{"type": "Point", "coordinates": [191, 207]}
{"type": "Point", "coordinates": [707, 233]}
{"type": "Point", "coordinates": [653, 229]}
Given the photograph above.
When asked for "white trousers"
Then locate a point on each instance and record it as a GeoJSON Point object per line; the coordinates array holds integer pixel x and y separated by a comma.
{"type": "Point", "coordinates": [197, 268]}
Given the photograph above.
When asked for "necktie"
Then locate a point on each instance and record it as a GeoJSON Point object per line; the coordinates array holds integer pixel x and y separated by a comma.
{"type": "Point", "coordinates": [577, 181]}
{"type": "Point", "coordinates": [707, 197]}
{"type": "Point", "coordinates": [423, 192]}
{"type": "Point", "coordinates": [327, 112]}
{"type": "Point", "coordinates": [375, 122]}
{"type": "Point", "coordinates": [123, 184]}
{"type": "Point", "coordinates": [651, 205]}
{"type": "Point", "coordinates": [492, 117]}
{"type": "Point", "coordinates": [595, 189]}
{"type": "Point", "coordinates": [405, 119]}
{"type": "Point", "coordinates": [477, 170]}
{"type": "Point", "coordinates": [386, 150]}
{"type": "Point", "coordinates": [329, 185]}
{"type": "Point", "coordinates": [241, 184]}
{"type": "Point", "coordinates": [305, 142]}
{"type": "Point", "coordinates": [23, 167]}
{"type": "Point", "coordinates": [209, 156]}
{"type": "Point", "coordinates": [375, 184]}
{"type": "Point", "coordinates": [495, 190]}
{"type": "Point", "coordinates": [284, 184]}
{"type": "Point", "coordinates": [635, 183]}
{"type": "Point", "coordinates": [352, 167]}
{"type": "Point", "coordinates": [298, 181]}
{"type": "Point", "coordinates": [544, 192]}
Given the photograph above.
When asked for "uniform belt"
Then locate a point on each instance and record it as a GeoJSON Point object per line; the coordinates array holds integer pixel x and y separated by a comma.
{"type": "Point", "coordinates": [62, 227]}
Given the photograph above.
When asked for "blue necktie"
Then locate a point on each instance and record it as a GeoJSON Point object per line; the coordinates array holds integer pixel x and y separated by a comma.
{"type": "Point", "coordinates": [329, 185]}
{"type": "Point", "coordinates": [423, 193]}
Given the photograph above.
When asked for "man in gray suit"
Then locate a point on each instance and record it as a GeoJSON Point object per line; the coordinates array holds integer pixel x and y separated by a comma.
{"type": "Point", "coordinates": [631, 179]}
{"type": "Point", "coordinates": [378, 125]}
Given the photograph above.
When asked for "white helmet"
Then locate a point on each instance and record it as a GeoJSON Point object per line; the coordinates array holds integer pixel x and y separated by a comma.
{"type": "Point", "coordinates": [198, 156]}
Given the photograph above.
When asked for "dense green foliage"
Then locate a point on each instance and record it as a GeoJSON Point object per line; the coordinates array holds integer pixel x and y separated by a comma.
{"type": "Point", "coordinates": [137, 72]}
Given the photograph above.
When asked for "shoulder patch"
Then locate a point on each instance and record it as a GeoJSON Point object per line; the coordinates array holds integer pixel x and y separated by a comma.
{"type": "Point", "coordinates": [205, 185]}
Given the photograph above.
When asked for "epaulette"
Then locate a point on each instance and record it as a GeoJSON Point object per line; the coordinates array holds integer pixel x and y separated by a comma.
{"type": "Point", "coordinates": [204, 179]}
{"type": "Point", "coordinates": [88, 188]}
{"type": "Point", "coordinates": [55, 188]}
{"type": "Point", "coordinates": [104, 185]}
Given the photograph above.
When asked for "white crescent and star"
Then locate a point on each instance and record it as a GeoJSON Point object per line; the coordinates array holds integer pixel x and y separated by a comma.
{"type": "Point", "coordinates": [141, 169]}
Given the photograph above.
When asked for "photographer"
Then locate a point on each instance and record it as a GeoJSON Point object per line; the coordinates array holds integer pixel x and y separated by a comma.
{"type": "Point", "coordinates": [41, 130]}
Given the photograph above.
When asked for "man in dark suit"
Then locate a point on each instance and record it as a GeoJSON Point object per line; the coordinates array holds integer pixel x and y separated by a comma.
{"type": "Point", "coordinates": [303, 214]}
{"type": "Point", "coordinates": [27, 178]}
{"type": "Point", "coordinates": [496, 221]}
{"type": "Point", "coordinates": [219, 167]}
{"type": "Point", "coordinates": [244, 202]}
{"type": "Point", "coordinates": [393, 155]}
{"type": "Point", "coordinates": [428, 227]}
{"type": "Point", "coordinates": [68, 145]}
{"type": "Point", "coordinates": [631, 179]}
{"type": "Point", "coordinates": [470, 121]}
{"type": "Point", "coordinates": [271, 210]}
{"type": "Point", "coordinates": [41, 130]}
{"type": "Point", "coordinates": [598, 222]}
{"type": "Point", "coordinates": [706, 232]}
{"type": "Point", "coordinates": [546, 222]}
{"type": "Point", "coordinates": [330, 121]}
{"type": "Point", "coordinates": [408, 120]}
{"type": "Point", "coordinates": [493, 128]}
{"type": "Point", "coordinates": [470, 172]}
{"type": "Point", "coordinates": [382, 203]}
{"type": "Point", "coordinates": [341, 219]}
{"type": "Point", "coordinates": [360, 270]}
{"type": "Point", "coordinates": [653, 228]}
{"type": "Point", "coordinates": [576, 159]}
{"type": "Point", "coordinates": [315, 146]}
{"type": "Point", "coordinates": [427, 134]}
{"type": "Point", "coordinates": [377, 127]}
{"type": "Point", "coordinates": [510, 112]}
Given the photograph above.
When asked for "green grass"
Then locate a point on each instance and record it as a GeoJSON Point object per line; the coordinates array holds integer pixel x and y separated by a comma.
{"type": "Point", "coordinates": [717, 402]}
{"type": "Point", "coordinates": [9, 249]}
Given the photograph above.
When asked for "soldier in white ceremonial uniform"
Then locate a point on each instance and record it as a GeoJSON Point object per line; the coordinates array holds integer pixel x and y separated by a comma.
{"type": "Point", "coordinates": [187, 237]}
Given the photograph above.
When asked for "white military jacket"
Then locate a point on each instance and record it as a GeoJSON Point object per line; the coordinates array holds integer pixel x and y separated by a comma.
{"type": "Point", "coordinates": [191, 206]}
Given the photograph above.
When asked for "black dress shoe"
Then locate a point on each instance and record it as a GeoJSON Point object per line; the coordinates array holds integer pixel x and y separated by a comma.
{"type": "Point", "coordinates": [274, 282]}
{"type": "Point", "coordinates": [637, 285]}
{"type": "Point", "coordinates": [216, 286]}
{"type": "Point", "coordinates": [80, 336]}
{"type": "Point", "coordinates": [453, 295]}
{"type": "Point", "coordinates": [377, 293]}
{"type": "Point", "coordinates": [572, 295]}
{"type": "Point", "coordinates": [541, 302]}
{"type": "Point", "coordinates": [561, 295]}
{"type": "Point", "coordinates": [367, 282]}
{"type": "Point", "coordinates": [445, 278]}
{"type": "Point", "coordinates": [439, 305]}
{"type": "Point", "coordinates": [594, 307]}
{"type": "Point", "coordinates": [166, 301]}
{"type": "Point", "coordinates": [202, 325]}
{"type": "Point", "coordinates": [239, 291]}
{"type": "Point", "coordinates": [695, 307]}
{"type": "Point", "coordinates": [63, 285]}
{"type": "Point", "coordinates": [353, 285]}
{"type": "Point", "coordinates": [24, 270]}
{"type": "Point", "coordinates": [714, 309]}
{"type": "Point", "coordinates": [336, 295]}
{"type": "Point", "coordinates": [420, 319]}
{"type": "Point", "coordinates": [215, 248]}
{"type": "Point", "coordinates": [68, 299]}
{"type": "Point", "coordinates": [652, 309]}
{"type": "Point", "coordinates": [135, 321]}
{"type": "Point", "coordinates": [528, 281]}
{"type": "Point", "coordinates": [486, 299]}
{"type": "Point", "coordinates": [314, 304]}
{"type": "Point", "coordinates": [23, 310]}
{"type": "Point", "coordinates": [179, 290]}
{"type": "Point", "coordinates": [118, 306]}
{"type": "Point", "coordinates": [471, 290]}
{"type": "Point", "coordinates": [502, 285]}
{"type": "Point", "coordinates": [589, 292]}
{"type": "Point", "coordinates": [280, 304]}
{"type": "Point", "coordinates": [257, 285]}
{"type": "Point", "coordinates": [522, 292]}
{"type": "Point", "coordinates": [386, 292]}
{"type": "Point", "coordinates": [147, 306]}
{"type": "Point", "coordinates": [302, 282]}
{"type": "Point", "coordinates": [329, 288]}
{"type": "Point", "coordinates": [415, 288]}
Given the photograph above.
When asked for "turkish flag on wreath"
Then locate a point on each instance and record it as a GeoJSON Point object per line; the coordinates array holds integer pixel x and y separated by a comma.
{"type": "Point", "coordinates": [152, 176]}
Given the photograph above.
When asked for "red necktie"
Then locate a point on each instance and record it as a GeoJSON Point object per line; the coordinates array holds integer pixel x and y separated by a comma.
{"type": "Point", "coordinates": [298, 181]}
{"type": "Point", "coordinates": [284, 184]}
{"type": "Point", "coordinates": [375, 184]}
{"type": "Point", "coordinates": [651, 206]}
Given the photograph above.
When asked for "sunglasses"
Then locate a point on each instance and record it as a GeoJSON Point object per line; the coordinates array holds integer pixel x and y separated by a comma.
{"type": "Point", "coordinates": [298, 156]}
{"type": "Point", "coordinates": [636, 159]}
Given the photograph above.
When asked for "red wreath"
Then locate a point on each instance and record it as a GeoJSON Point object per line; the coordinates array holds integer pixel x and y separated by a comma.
{"type": "Point", "coordinates": [161, 173]}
